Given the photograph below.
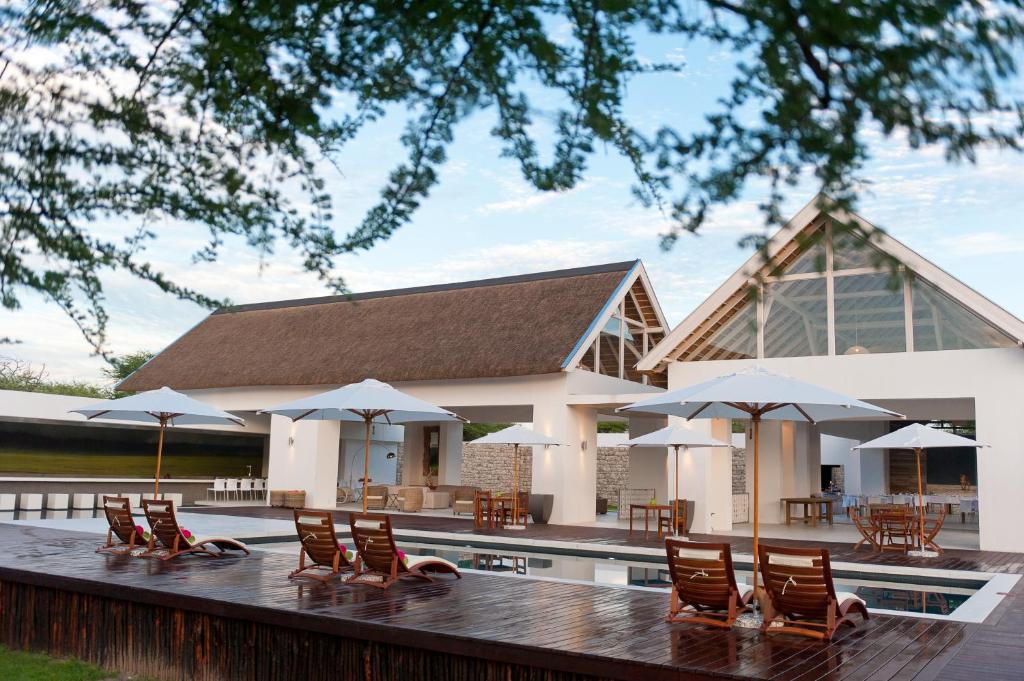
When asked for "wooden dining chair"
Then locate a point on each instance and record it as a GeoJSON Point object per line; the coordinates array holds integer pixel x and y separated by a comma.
{"type": "Point", "coordinates": [895, 530]}
{"type": "Point", "coordinates": [481, 509]}
{"type": "Point", "coordinates": [868, 530]}
{"type": "Point", "coordinates": [932, 527]}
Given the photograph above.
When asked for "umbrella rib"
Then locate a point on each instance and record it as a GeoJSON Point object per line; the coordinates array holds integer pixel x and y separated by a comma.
{"type": "Point", "coordinates": [694, 414]}
{"type": "Point", "coordinates": [303, 415]}
{"type": "Point", "coordinates": [804, 413]}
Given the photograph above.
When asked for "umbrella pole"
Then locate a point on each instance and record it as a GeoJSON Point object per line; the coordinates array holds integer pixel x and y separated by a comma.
{"type": "Point", "coordinates": [159, 456]}
{"type": "Point", "coordinates": [515, 484]}
{"type": "Point", "coordinates": [366, 461]}
{"type": "Point", "coordinates": [920, 497]}
{"type": "Point", "coordinates": [675, 502]}
{"type": "Point", "coordinates": [756, 418]}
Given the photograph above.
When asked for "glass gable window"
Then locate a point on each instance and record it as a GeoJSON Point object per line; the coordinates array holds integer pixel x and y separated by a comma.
{"type": "Point", "coordinates": [869, 315]}
{"type": "Point", "coordinates": [736, 338]}
{"type": "Point", "coordinates": [831, 292]}
{"type": "Point", "coordinates": [796, 319]}
{"type": "Point", "coordinates": [943, 324]}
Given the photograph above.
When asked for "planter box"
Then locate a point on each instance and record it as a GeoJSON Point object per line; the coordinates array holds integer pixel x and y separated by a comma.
{"type": "Point", "coordinates": [540, 507]}
{"type": "Point", "coordinates": [57, 501]}
{"type": "Point", "coordinates": [83, 501]}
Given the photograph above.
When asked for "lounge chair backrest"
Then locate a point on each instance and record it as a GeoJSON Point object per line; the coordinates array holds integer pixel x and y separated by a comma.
{"type": "Point", "coordinates": [799, 581]}
{"type": "Point", "coordinates": [119, 516]}
{"type": "Point", "coordinates": [163, 523]}
{"type": "Point", "coordinates": [702, 573]}
{"type": "Point", "coordinates": [316, 532]}
{"type": "Point", "coordinates": [371, 533]}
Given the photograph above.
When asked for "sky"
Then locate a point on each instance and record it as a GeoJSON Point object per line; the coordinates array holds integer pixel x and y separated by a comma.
{"type": "Point", "coordinates": [484, 221]}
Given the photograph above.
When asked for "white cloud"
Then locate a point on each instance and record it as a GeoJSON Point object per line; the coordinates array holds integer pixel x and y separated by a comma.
{"type": "Point", "coordinates": [982, 243]}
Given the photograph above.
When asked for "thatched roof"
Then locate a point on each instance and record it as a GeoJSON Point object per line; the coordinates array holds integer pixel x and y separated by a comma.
{"type": "Point", "coordinates": [510, 326]}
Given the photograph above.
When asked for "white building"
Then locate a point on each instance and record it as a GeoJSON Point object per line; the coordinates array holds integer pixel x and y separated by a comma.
{"type": "Point", "coordinates": [921, 343]}
{"type": "Point", "coordinates": [558, 349]}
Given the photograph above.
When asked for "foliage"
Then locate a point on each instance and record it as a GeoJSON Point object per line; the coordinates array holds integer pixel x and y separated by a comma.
{"type": "Point", "coordinates": [35, 667]}
{"type": "Point", "coordinates": [613, 426]}
{"type": "Point", "coordinates": [123, 366]}
{"type": "Point", "coordinates": [19, 375]}
{"type": "Point", "coordinates": [228, 114]}
{"type": "Point", "coordinates": [471, 431]}
{"type": "Point", "coordinates": [14, 461]}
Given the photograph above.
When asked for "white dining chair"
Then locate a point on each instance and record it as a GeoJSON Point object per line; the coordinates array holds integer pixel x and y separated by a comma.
{"type": "Point", "coordinates": [231, 488]}
{"type": "Point", "coordinates": [259, 488]}
{"type": "Point", "coordinates": [245, 488]}
{"type": "Point", "coordinates": [218, 486]}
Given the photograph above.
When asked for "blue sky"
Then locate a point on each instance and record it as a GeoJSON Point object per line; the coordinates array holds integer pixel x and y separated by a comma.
{"type": "Point", "coordinates": [484, 221]}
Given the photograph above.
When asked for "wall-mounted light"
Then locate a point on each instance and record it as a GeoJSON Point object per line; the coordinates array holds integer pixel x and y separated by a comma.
{"type": "Point", "coordinates": [583, 445]}
{"type": "Point", "coordinates": [390, 455]}
{"type": "Point", "coordinates": [291, 440]}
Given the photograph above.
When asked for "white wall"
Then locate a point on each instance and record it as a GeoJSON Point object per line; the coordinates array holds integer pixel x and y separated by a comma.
{"type": "Point", "coordinates": [835, 451]}
{"type": "Point", "coordinates": [993, 379]}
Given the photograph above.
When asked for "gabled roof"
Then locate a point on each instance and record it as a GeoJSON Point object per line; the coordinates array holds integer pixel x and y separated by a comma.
{"type": "Point", "coordinates": [784, 246]}
{"type": "Point", "coordinates": [507, 326]}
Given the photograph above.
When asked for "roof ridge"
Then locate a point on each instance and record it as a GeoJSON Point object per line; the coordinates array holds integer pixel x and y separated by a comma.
{"type": "Point", "coordinates": [623, 266]}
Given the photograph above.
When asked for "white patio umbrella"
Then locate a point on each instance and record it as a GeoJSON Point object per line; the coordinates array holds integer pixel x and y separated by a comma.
{"type": "Point", "coordinates": [516, 435]}
{"type": "Point", "coordinates": [917, 436]}
{"type": "Point", "coordinates": [675, 436]}
{"type": "Point", "coordinates": [163, 406]}
{"type": "Point", "coordinates": [758, 394]}
{"type": "Point", "coordinates": [369, 401]}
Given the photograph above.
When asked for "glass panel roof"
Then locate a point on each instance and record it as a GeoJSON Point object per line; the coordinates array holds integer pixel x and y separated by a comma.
{"type": "Point", "coordinates": [869, 315]}
{"type": "Point", "coordinates": [796, 319]}
{"type": "Point", "coordinates": [943, 324]}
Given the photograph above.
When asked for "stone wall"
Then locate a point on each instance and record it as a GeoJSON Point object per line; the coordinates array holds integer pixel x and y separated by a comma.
{"type": "Point", "coordinates": [490, 466]}
{"type": "Point", "coordinates": [612, 472]}
{"type": "Point", "coordinates": [739, 471]}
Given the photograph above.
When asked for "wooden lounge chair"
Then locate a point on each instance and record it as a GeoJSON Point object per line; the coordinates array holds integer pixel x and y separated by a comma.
{"type": "Point", "coordinates": [801, 596]}
{"type": "Point", "coordinates": [704, 589]}
{"type": "Point", "coordinates": [868, 530]}
{"type": "Point", "coordinates": [122, 526]}
{"type": "Point", "coordinates": [320, 546]}
{"type": "Point", "coordinates": [379, 563]}
{"type": "Point", "coordinates": [169, 540]}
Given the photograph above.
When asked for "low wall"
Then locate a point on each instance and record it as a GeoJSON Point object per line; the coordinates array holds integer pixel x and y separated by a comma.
{"type": "Point", "coordinates": [190, 489]}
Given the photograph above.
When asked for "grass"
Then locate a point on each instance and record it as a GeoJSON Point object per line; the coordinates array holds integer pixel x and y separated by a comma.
{"type": "Point", "coordinates": [18, 666]}
{"type": "Point", "coordinates": [74, 464]}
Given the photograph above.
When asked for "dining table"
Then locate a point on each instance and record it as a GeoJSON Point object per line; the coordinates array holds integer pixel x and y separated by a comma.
{"type": "Point", "coordinates": [814, 509]}
{"type": "Point", "coordinates": [648, 510]}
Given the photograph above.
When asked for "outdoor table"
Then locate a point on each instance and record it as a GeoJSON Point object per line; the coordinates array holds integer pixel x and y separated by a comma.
{"type": "Point", "coordinates": [647, 509]}
{"type": "Point", "coordinates": [812, 509]}
{"type": "Point", "coordinates": [493, 509]}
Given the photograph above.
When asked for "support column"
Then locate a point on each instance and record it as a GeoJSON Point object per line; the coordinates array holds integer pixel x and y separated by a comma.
{"type": "Point", "coordinates": [449, 470]}
{"type": "Point", "coordinates": [650, 467]}
{"type": "Point", "coordinates": [304, 455]}
{"type": "Point", "coordinates": [705, 477]}
{"type": "Point", "coordinates": [412, 455]}
{"type": "Point", "coordinates": [568, 472]}
{"type": "Point", "coordinates": [772, 468]}
{"type": "Point", "coordinates": [1000, 473]}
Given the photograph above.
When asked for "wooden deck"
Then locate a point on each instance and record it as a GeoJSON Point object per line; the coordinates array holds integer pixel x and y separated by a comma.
{"type": "Point", "coordinates": [953, 559]}
{"type": "Point", "coordinates": [241, 618]}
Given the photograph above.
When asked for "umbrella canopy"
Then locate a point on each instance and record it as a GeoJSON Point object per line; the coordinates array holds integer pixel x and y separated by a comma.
{"type": "Point", "coordinates": [675, 436]}
{"type": "Point", "coordinates": [758, 391]}
{"type": "Point", "coordinates": [516, 435]}
{"type": "Point", "coordinates": [164, 407]}
{"type": "Point", "coordinates": [354, 402]}
{"type": "Point", "coordinates": [154, 406]}
{"type": "Point", "coordinates": [758, 394]}
{"type": "Point", "coordinates": [368, 401]}
{"type": "Point", "coordinates": [919, 436]}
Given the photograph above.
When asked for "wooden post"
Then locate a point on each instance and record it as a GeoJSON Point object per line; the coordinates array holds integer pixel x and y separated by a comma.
{"type": "Point", "coordinates": [920, 497]}
{"type": "Point", "coordinates": [159, 456]}
{"type": "Point", "coordinates": [756, 418]}
{"type": "Point", "coordinates": [366, 459]}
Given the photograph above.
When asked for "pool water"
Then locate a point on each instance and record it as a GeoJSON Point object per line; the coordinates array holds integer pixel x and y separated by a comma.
{"type": "Point", "coordinates": [879, 591]}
